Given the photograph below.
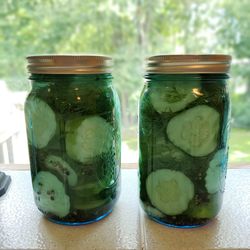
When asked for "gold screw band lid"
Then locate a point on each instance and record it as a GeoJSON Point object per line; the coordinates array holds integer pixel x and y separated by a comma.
{"type": "Point", "coordinates": [69, 64]}
{"type": "Point", "coordinates": [189, 64]}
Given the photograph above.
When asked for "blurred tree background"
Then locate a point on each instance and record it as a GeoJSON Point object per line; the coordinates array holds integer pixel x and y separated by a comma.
{"type": "Point", "coordinates": [130, 30]}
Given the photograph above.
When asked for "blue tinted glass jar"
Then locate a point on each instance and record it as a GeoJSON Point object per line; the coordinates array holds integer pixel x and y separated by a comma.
{"type": "Point", "coordinates": [73, 128]}
{"type": "Point", "coordinates": [183, 138]}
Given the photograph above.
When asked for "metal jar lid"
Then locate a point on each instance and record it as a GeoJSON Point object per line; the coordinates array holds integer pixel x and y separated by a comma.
{"type": "Point", "coordinates": [189, 64]}
{"type": "Point", "coordinates": [69, 64]}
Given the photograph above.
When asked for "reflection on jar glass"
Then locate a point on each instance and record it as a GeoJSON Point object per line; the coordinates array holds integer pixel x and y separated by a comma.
{"type": "Point", "coordinates": [73, 128]}
{"type": "Point", "coordinates": [183, 138]}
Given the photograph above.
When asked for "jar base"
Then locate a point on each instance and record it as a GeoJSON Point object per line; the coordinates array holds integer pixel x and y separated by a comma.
{"type": "Point", "coordinates": [79, 223]}
{"type": "Point", "coordinates": [177, 226]}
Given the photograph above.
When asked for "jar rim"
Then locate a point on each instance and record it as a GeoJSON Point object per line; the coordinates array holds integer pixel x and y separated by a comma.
{"type": "Point", "coordinates": [189, 64]}
{"type": "Point", "coordinates": [69, 64]}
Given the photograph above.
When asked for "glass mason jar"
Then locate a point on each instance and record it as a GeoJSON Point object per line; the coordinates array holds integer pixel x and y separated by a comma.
{"type": "Point", "coordinates": [183, 138]}
{"type": "Point", "coordinates": [73, 128]}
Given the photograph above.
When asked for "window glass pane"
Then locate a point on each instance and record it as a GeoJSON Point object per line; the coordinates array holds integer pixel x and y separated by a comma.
{"type": "Point", "coordinates": [129, 31]}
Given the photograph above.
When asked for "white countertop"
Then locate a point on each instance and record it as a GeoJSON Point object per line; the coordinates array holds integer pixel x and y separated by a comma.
{"type": "Point", "coordinates": [22, 226]}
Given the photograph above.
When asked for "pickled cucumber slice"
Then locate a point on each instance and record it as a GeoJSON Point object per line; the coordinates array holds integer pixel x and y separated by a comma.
{"type": "Point", "coordinates": [206, 210]}
{"type": "Point", "coordinates": [174, 97]}
{"type": "Point", "coordinates": [88, 137]}
{"type": "Point", "coordinates": [165, 151]}
{"type": "Point", "coordinates": [196, 130]}
{"type": "Point", "coordinates": [41, 122]}
{"type": "Point", "coordinates": [82, 203]}
{"type": "Point", "coordinates": [216, 173]}
{"type": "Point", "coordinates": [151, 211]}
{"type": "Point", "coordinates": [203, 211]}
{"type": "Point", "coordinates": [50, 196]}
{"type": "Point", "coordinates": [87, 189]}
{"type": "Point", "coordinates": [88, 184]}
{"type": "Point", "coordinates": [62, 167]}
{"type": "Point", "coordinates": [169, 191]}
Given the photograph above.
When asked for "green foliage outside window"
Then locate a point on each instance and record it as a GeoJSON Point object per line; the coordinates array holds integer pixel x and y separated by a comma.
{"type": "Point", "coordinates": [128, 30]}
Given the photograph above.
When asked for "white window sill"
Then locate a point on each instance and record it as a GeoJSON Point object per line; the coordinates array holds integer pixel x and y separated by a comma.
{"type": "Point", "coordinates": [22, 226]}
